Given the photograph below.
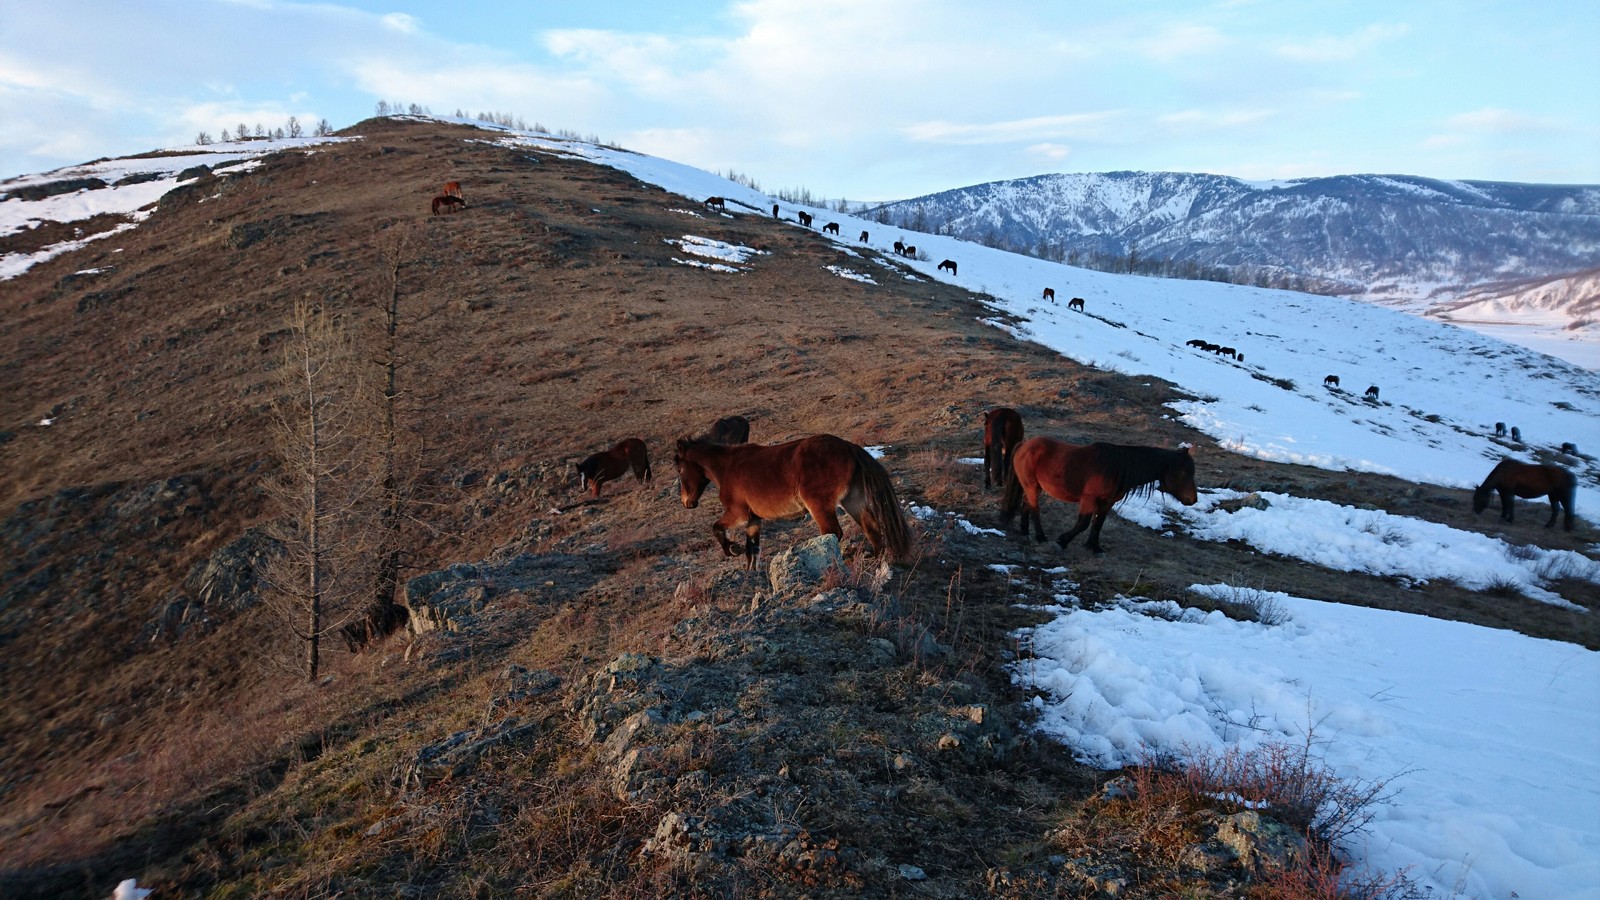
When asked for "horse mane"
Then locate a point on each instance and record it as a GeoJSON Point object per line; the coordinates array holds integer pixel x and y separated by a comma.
{"type": "Point", "coordinates": [1133, 470]}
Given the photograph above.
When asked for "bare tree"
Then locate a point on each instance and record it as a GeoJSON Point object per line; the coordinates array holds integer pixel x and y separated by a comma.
{"type": "Point", "coordinates": [383, 107]}
{"type": "Point", "coordinates": [325, 488]}
{"type": "Point", "coordinates": [243, 131]}
{"type": "Point", "coordinates": [323, 129]}
{"type": "Point", "coordinates": [294, 127]}
{"type": "Point", "coordinates": [226, 137]}
{"type": "Point", "coordinates": [204, 139]}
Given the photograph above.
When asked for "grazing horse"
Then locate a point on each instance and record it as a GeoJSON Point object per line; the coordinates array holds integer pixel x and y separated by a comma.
{"type": "Point", "coordinates": [1075, 303]}
{"type": "Point", "coordinates": [899, 248]}
{"type": "Point", "coordinates": [451, 189]}
{"type": "Point", "coordinates": [448, 203]}
{"type": "Point", "coordinates": [805, 218]}
{"type": "Point", "coordinates": [1372, 392]}
{"type": "Point", "coordinates": [1096, 476]}
{"type": "Point", "coordinates": [611, 464]}
{"type": "Point", "coordinates": [728, 430]}
{"type": "Point", "coordinates": [863, 238]}
{"type": "Point", "coordinates": [1516, 434]}
{"type": "Point", "coordinates": [948, 264]}
{"type": "Point", "coordinates": [1049, 294]}
{"type": "Point", "coordinates": [1228, 352]}
{"type": "Point", "coordinates": [911, 252]}
{"type": "Point", "coordinates": [774, 210]}
{"type": "Point", "coordinates": [1195, 343]}
{"type": "Point", "coordinates": [1499, 429]}
{"type": "Point", "coordinates": [1002, 432]}
{"type": "Point", "coordinates": [1331, 381]}
{"type": "Point", "coordinates": [1569, 448]}
{"type": "Point", "coordinates": [831, 228]}
{"type": "Point", "coordinates": [716, 203]}
{"type": "Point", "coordinates": [1514, 479]}
{"type": "Point", "coordinates": [816, 474]}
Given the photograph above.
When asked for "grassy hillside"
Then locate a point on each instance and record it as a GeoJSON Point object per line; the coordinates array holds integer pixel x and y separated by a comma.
{"type": "Point", "coordinates": [626, 712]}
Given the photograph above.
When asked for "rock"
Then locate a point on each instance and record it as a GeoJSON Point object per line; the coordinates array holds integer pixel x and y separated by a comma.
{"type": "Point", "coordinates": [804, 565]}
{"type": "Point", "coordinates": [1261, 843]}
{"type": "Point", "coordinates": [1248, 501]}
{"type": "Point", "coordinates": [912, 873]}
{"type": "Point", "coordinates": [442, 600]}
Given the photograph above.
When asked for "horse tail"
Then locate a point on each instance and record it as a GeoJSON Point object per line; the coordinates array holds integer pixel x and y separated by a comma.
{"type": "Point", "coordinates": [882, 508]}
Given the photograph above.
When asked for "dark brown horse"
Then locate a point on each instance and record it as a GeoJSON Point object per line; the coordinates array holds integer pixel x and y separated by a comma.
{"type": "Point", "coordinates": [716, 203]}
{"type": "Point", "coordinates": [614, 463]}
{"type": "Point", "coordinates": [1002, 432]}
{"type": "Point", "coordinates": [447, 203]}
{"type": "Point", "coordinates": [831, 228]}
{"type": "Point", "coordinates": [1513, 479]}
{"type": "Point", "coordinates": [805, 218]}
{"type": "Point", "coordinates": [1075, 303]}
{"type": "Point", "coordinates": [816, 474]}
{"type": "Point", "coordinates": [1096, 476]}
{"type": "Point", "coordinates": [1049, 294]}
{"type": "Point", "coordinates": [728, 430]}
{"type": "Point", "coordinates": [948, 264]}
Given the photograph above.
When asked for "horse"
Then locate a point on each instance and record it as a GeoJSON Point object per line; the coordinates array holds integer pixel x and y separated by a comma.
{"type": "Point", "coordinates": [805, 218]}
{"type": "Point", "coordinates": [1075, 303]}
{"type": "Point", "coordinates": [1569, 448]}
{"type": "Point", "coordinates": [1372, 392]}
{"type": "Point", "coordinates": [899, 248]}
{"type": "Point", "coordinates": [1228, 352]}
{"type": "Point", "coordinates": [1499, 429]}
{"type": "Point", "coordinates": [863, 238]}
{"type": "Point", "coordinates": [611, 464]}
{"type": "Point", "coordinates": [911, 252]}
{"type": "Point", "coordinates": [1195, 343]}
{"type": "Point", "coordinates": [1095, 475]}
{"type": "Point", "coordinates": [716, 203]}
{"type": "Point", "coordinates": [815, 474]}
{"type": "Point", "coordinates": [1049, 294]}
{"type": "Point", "coordinates": [451, 189]}
{"type": "Point", "coordinates": [1514, 479]}
{"type": "Point", "coordinates": [774, 210]}
{"type": "Point", "coordinates": [1516, 434]}
{"type": "Point", "coordinates": [728, 430]}
{"type": "Point", "coordinates": [948, 264]}
{"type": "Point", "coordinates": [1331, 381]}
{"type": "Point", "coordinates": [1002, 432]}
{"type": "Point", "coordinates": [1210, 347]}
{"type": "Point", "coordinates": [449, 203]}
{"type": "Point", "coordinates": [831, 228]}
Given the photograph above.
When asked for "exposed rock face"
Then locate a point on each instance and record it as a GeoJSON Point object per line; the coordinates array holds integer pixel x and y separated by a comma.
{"type": "Point", "coordinates": [804, 565]}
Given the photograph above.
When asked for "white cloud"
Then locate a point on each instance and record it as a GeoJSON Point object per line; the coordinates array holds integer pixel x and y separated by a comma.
{"type": "Point", "coordinates": [1340, 48]}
{"type": "Point", "coordinates": [1075, 125]}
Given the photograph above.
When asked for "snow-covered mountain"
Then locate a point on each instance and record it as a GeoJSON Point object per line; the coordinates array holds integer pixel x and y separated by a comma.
{"type": "Point", "coordinates": [1379, 237]}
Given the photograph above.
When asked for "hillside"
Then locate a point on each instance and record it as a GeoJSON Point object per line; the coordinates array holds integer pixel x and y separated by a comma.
{"type": "Point", "coordinates": [615, 709]}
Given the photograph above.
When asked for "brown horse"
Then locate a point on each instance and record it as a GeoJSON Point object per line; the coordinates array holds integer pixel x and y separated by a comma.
{"type": "Point", "coordinates": [1049, 294]}
{"type": "Point", "coordinates": [447, 202]}
{"type": "Point", "coordinates": [816, 474]}
{"type": "Point", "coordinates": [451, 189]}
{"type": "Point", "coordinates": [948, 264]}
{"type": "Point", "coordinates": [1513, 479]}
{"type": "Point", "coordinates": [728, 430]}
{"type": "Point", "coordinates": [1075, 303]}
{"type": "Point", "coordinates": [1096, 476]}
{"type": "Point", "coordinates": [1002, 432]}
{"type": "Point", "coordinates": [716, 203]}
{"type": "Point", "coordinates": [612, 464]}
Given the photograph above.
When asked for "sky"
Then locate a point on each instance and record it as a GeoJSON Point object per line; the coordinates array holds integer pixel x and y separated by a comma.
{"type": "Point", "coordinates": [855, 100]}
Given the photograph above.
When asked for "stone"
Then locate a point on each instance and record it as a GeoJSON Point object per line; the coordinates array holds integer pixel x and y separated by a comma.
{"type": "Point", "coordinates": [804, 565]}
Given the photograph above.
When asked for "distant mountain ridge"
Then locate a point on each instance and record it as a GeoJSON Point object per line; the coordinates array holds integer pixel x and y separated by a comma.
{"type": "Point", "coordinates": [1393, 238]}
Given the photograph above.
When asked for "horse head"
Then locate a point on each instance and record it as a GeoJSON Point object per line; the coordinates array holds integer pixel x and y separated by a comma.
{"type": "Point", "coordinates": [1480, 497]}
{"type": "Point", "coordinates": [1178, 478]}
{"type": "Point", "coordinates": [692, 477]}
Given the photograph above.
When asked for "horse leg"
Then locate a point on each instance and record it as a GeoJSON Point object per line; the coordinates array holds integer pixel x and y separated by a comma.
{"type": "Point", "coordinates": [988, 466]}
{"type": "Point", "coordinates": [1506, 500]}
{"type": "Point", "coordinates": [732, 515]}
{"type": "Point", "coordinates": [1030, 512]}
{"type": "Point", "coordinates": [1066, 537]}
{"type": "Point", "coordinates": [1555, 507]}
{"type": "Point", "coordinates": [1094, 534]}
{"type": "Point", "coordinates": [752, 542]}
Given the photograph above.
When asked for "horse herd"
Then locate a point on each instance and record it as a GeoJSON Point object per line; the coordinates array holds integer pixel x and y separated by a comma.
{"type": "Point", "coordinates": [819, 474]}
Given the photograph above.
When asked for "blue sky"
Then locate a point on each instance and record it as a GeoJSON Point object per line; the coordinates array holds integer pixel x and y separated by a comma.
{"type": "Point", "coordinates": [864, 100]}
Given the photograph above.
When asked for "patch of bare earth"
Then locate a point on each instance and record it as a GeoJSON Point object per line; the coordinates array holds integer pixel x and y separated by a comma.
{"type": "Point", "coordinates": [771, 744]}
